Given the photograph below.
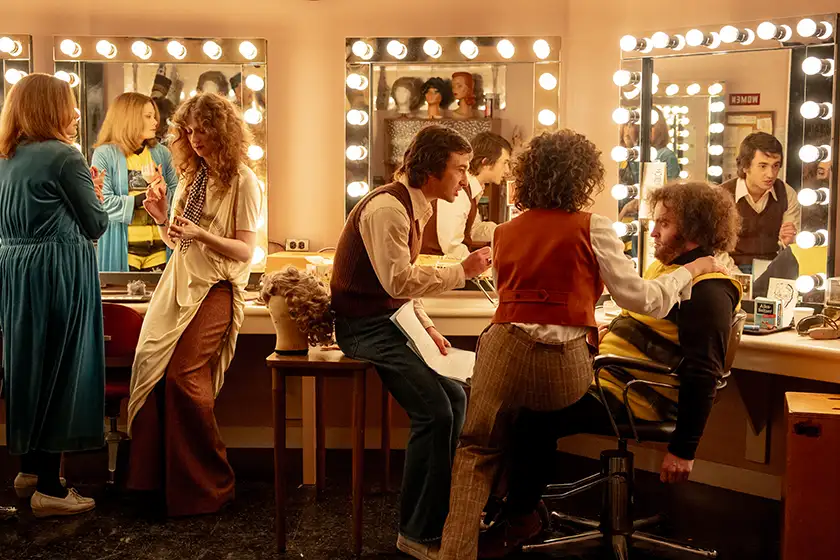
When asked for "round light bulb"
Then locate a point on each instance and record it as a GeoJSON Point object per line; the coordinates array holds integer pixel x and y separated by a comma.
{"type": "Point", "coordinates": [357, 189]}
{"type": "Point", "coordinates": [74, 79]}
{"type": "Point", "coordinates": [717, 107]}
{"type": "Point", "coordinates": [432, 48]}
{"type": "Point", "coordinates": [683, 147]}
{"type": "Point", "coordinates": [362, 49]}
{"type": "Point", "coordinates": [548, 81]}
{"type": "Point", "coordinates": [715, 89]}
{"type": "Point", "coordinates": [141, 50]}
{"type": "Point", "coordinates": [621, 116]}
{"type": "Point", "coordinates": [253, 116]}
{"type": "Point", "coordinates": [716, 150]}
{"type": "Point", "coordinates": [542, 49]}
{"type": "Point", "coordinates": [693, 89]}
{"type": "Point", "coordinates": [7, 45]}
{"type": "Point", "coordinates": [259, 255]}
{"type": "Point", "coordinates": [684, 133]}
{"type": "Point", "coordinates": [619, 154]}
{"type": "Point", "coordinates": [805, 284]}
{"type": "Point", "coordinates": [621, 229]}
{"type": "Point", "coordinates": [106, 48]}
{"type": "Point", "coordinates": [63, 76]}
{"type": "Point", "coordinates": [806, 27]}
{"type": "Point", "coordinates": [506, 49]}
{"type": "Point", "coordinates": [628, 43]}
{"type": "Point", "coordinates": [810, 110]}
{"type": "Point", "coordinates": [813, 66]}
{"type": "Point", "coordinates": [672, 90]}
{"type": "Point", "coordinates": [255, 152]}
{"type": "Point", "coordinates": [356, 153]}
{"type": "Point", "coordinates": [660, 40]}
{"type": "Point", "coordinates": [729, 34]}
{"type": "Point", "coordinates": [685, 121]}
{"type": "Point", "coordinates": [683, 161]}
{"type": "Point", "coordinates": [633, 93]}
{"type": "Point", "coordinates": [248, 50]}
{"type": "Point", "coordinates": [70, 48]}
{"type": "Point", "coordinates": [683, 174]}
{"type": "Point", "coordinates": [396, 49]}
{"type": "Point", "coordinates": [469, 49]}
{"type": "Point", "coordinates": [716, 128]}
{"type": "Point", "coordinates": [715, 40]}
{"type": "Point", "coordinates": [622, 78]}
{"type": "Point", "coordinates": [547, 117]}
{"type": "Point", "coordinates": [807, 197]}
{"type": "Point", "coordinates": [715, 171]}
{"type": "Point", "coordinates": [695, 38]}
{"type": "Point", "coordinates": [620, 192]}
{"type": "Point", "coordinates": [766, 31]}
{"type": "Point", "coordinates": [13, 75]}
{"type": "Point", "coordinates": [357, 117]}
{"type": "Point", "coordinates": [254, 82]}
{"type": "Point", "coordinates": [828, 29]}
{"type": "Point", "coordinates": [176, 50]}
{"type": "Point", "coordinates": [357, 82]}
{"type": "Point", "coordinates": [809, 153]}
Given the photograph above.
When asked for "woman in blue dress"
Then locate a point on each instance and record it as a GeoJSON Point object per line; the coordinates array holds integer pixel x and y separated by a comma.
{"type": "Point", "coordinates": [50, 306]}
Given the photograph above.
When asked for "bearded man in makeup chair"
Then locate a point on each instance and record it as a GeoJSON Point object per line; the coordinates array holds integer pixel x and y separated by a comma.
{"type": "Point", "coordinates": [691, 220]}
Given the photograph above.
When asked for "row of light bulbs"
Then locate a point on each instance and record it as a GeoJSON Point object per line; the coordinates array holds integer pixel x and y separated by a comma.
{"type": "Point", "coordinates": [10, 47]}
{"type": "Point", "coordinates": [693, 89]}
{"type": "Point", "coordinates": [433, 49]}
{"type": "Point", "coordinates": [143, 50]}
{"type": "Point", "coordinates": [728, 34]}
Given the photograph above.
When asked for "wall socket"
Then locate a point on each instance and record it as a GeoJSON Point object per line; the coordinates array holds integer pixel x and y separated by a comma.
{"type": "Point", "coordinates": [297, 245]}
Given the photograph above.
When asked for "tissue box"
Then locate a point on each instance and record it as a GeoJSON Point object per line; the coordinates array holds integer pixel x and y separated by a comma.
{"type": "Point", "coordinates": [768, 313]}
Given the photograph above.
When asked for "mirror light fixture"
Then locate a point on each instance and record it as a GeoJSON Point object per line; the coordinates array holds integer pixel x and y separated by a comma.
{"type": "Point", "coordinates": [807, 284]}
{"type": "Point", "coordinates": [255, 152]}
{"type": "Point", "coordinates": [672, 90]}
{"type": "Point", "coordinates": [13, 75]}
{"type": "Point", "coordinates": [810, 153]}
{"type": "Point", "coordinates": [10, 46]}
{"type": "Point", "coordinates": [356, 153]}
{"type": "Point", "coordinates": [813, 66]}
{"type": "Point", "coordinates": [769, 31]}
{"type": "Point", "coordinates": [696, 38]}
{"type": "Point", "coordinates": [432, 48]}
{"type": "Point", "coordinates": [715, 89]}
{"type": "Point", "coordinates": [254, 82]}
{"type": "Point", "coordinates": [542, 49]}
{"type": "Point", "coordinates": [623, 78]}
{"type": "Point", "coordinates": [396, 49]}
{"type": "Point", "coordinates": [357, 189]}
{"type": "Point", "coordinates": [253, 116]}
{"type": "Point", "coordinates": [629, 43]}
{"type": "Point", "coordinates": [717, 107]}
{"type": "Point", "coordinates": [363, 50]}
{"type": "Point", "coordinates": [106, 48]}
{"type": "Point", "coordinates": [71, 48]}
{"type": "Point", "coordinates": [468, 48]}
{"type": "Point", "coordinates": [683, 174]}
{"type": "Point", "coordinates": [548, 81]}
{"type": "Point", "coordinates": [623, 192]}
{"type": "Point", "coordinates": [810, 197]}
{"type": "Point", "coordinates": [357, 117]}
{"type": "Point", "coordinates": [662, 40]}
{"type": "Point", "coordinates": [693, 89]}
{"type": "Point", "coordinates": [141, 50]}
{"type": "Point", "coordinates": [248, 50]}
{"type": "Point", "coordinates": [356, 81]}
{"type": "Point", "coordinates": [176, 49]}
{"type": "Point", "coordinates": [716, 150]}
{"type": "Point", "coordinates": [624, 229]}
{"type": "Point", "coordinates": [547, 117]}
{"type": "Point", "coordinates": [813, 110]}
{"type": "Point", "coordinates": [506, 49]}
{"type": "Point", "coordinates": [730, 34]}
{"type": "Point", "coordinates": [716, 128]}
{"type": "Point", "coordinates": [810, 28]}
{"type": "Point", "coordinates": [212, 49]}
{"type": "Point", "coordinates": [715, 171]}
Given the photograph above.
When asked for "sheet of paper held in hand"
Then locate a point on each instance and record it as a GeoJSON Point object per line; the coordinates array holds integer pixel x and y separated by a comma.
{"type": "Point", "coordinates": [457, 364]}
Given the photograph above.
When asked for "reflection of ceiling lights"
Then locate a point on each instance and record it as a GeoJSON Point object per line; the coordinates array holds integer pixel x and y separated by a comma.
{"type": "Point", "coordinates": [506, 49]}
{"type": "Point", "coordinates": [542, 49]}
{"type": "Point", "coordinates": [176, 50]}
{"type": "Point", "coordinates": [255, 152]}
{"type": "Point", "coordinates": [357, 82]}
{"type": "Point", "coordinates": [363, 50]}
{"type": "Point", "coordinates": [70, 48]}
{"type": "Point", "coordinates": [141, 50]}
{"type": "Point", "coordinates": [248, 50]}
{"type": "Point", "coordinates": [396, 49]}
{"type": "Point", "coordinates": [432, 48]}
{"type": "Point", "coordinates": [10, 46]}
{"type": "Point", "coordinates": [106, 48]}
{"type": "Point", "coordinates": [254, 82]}
{"type": "Point", "coordinates": [212, 50]}
{"type": "Point", "coordinates": [548, 81]}
{"type": "Point", "coordinates": [13, 76]}
{"type": "Point", "coordinates": [547, 117]}
{"type": "Point", "coordinates": [357, 189]}
{"type": "Point", "coordinates": [469, 49]}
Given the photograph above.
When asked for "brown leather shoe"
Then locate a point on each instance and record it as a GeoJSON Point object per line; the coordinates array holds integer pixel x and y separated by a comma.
{"type": "Point", "coordinates": [502, 539]}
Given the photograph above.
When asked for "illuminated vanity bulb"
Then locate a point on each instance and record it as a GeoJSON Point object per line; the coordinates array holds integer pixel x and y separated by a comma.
{"type": "Point", "coordinates": [623, 229]}
{"type": "Point", "coordinates": [506, 49]}
{"type": "Point", "coordinates": [253, 116]}
{"type": "Point", "coordinates": [255, 152]}
{"type": "Point", "coordinates": [716, 150]}
{"type": "Point", "coordinates": [807, 284]}
{"type": "Point", "coordinates": [548, 81]}
{"type": "Point", "coordinates": [813, 66]}
{"type": "Point", "coordinates": [432, 48]}
{"type": "Point", "coordinates": [661, 40]}
{"type": "Point", "coordinates": [396, 49]}
{"type": "Point", "coordinates": [259, 255]}
{"type": "Point", "coordinates": [106, 48]}
{"type": "Point", "coordinates": [716, 128]}
{"type": "Point", "coordinates": [13, 75]}
{"type": "Point", "coordinates": [768, 32]}
{"type": "Point", "coordinates": [212, 49]}
{"type": "Point", "coordinates": [363, 50]}
{"type": "Point", "coordinates": [810, 28]}
{"type": "Point", "coordinates": [731, 34]}
{"type": "Point", "coordinates": [468, 48]}
{"type": "Point", "coordinates": [683, 161]}
{"type": "Point", "coordinates": [628, 43]}
{"type": "Point", "coordinates": [70, 48]}
{"type": "Point", "coordinates": [685, 121]}
{"type": "Point", "coordinates": [717, 107]}
{"type": "Point", "coordinates": [356, 153]}
{"type": "Point", "coordinates": [357, 82]}
{"type": "Point", "coordinates": [248, 50]}
{"type": "Point", "coordinates": [74, 79]}
{"type": "Point", "coordinates": [541, 49]}
{"type": "Point", "coordinates": [624, 78]}
{"type": "Point", "coordinates": [684, 133]}
{"type": "Point", "coordinates": [254, 82]}
{"type": "Point", "coordinates": [176, 49]}
{"type": "Point", "coordinates": [619, 154]}
{"type": "Point", "coordinates": [10, 46]}
{"type": "Point", "coordinates": [715, 89]}
{"type": "Point", "coordinates": [683, 147]}
{"type": "Point", "coordinates": [715, 171]}
{"type": "Point", "coordinates": [63, 76]}
{"type": "Point", "coordinates": [812, 110]}
{"type": "Point", "coordinates": [810, 153]}
{"type": "Point", "coordinates": [633, 93]}
{"type": "Point", "coordinates": [621, 116]}
{"type": "Point", "coordinates": [357, 117]}
{"type": "Point", "coordinates": [357, 189]}
{"type": "Point", "coordinates": [623, 192]}
{"type": "Point", "coordinates": [809, 197]}
{"type": "Point", "coordinates": [693, 89]}
{"type": "Point", "coordinates": [672, 90]}
{"type": "Point", "coordinates": [141, 50]}
{"type": "Point", "coordinates": [714, 41]}
{"type": "Point", "coordinates": [683, 174]}
{"type": "Point", "coordinates": [547, 117]}
{"type": "Point", "coordinates": [695, 38]}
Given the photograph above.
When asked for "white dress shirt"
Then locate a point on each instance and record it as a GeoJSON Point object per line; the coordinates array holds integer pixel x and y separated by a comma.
{"type": "Point", "coordinates": [452, 221]}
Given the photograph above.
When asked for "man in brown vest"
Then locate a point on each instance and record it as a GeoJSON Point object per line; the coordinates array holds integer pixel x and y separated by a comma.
{"type": "Point", "coordinates": [453, 227]}
{"type": "Point", "coordinates": [769, 208]}
{"type": "Point", "coordinates": [373, 275]}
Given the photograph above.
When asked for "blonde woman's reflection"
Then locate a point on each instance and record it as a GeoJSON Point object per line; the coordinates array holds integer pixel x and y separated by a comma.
{"type": "Point", "coordinates": [128, 151]}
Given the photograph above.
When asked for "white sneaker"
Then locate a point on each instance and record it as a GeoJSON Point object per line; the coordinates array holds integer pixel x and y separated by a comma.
{"type": "Point", "coordinates": [26, 484]}
{"type": "Point", "coordinates": [418, 550]}
{"type": "Point", "coordinates": [45, 506]}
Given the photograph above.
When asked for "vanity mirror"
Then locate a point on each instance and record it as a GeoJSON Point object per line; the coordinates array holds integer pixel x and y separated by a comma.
{"type": "Point", "coordinates": [15, 60]}
{"type": "Point", "coordinates": [396, 86]}
{"type": "Point", "coordinates": [140, 81]}
{"type": "Point", "coordinates": [715, 87]}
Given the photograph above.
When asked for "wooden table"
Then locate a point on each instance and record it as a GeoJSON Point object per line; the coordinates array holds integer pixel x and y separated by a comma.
{"type": "Point", "coordinates": [320, 364]}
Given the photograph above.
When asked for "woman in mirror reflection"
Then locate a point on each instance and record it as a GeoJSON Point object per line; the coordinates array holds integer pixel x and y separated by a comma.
{"type": "Point", "coordinates": [189, 334]}
{"type": "Point", "coordinates": [128, 151]}
{"type": "Point", "coordinates": [50, 306]}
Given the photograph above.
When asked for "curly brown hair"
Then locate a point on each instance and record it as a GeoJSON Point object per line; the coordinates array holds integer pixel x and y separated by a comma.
{"type": "Point", "coordinates": [703, 214]}
{"type": "Point", "coordinates": [429, 153]}
{"type": "Point", "coordinates": [561, 170]}
{"type": "Point", "coordinates": [220, 119]}
{"type": "Point", "coordinates": [308, 300]}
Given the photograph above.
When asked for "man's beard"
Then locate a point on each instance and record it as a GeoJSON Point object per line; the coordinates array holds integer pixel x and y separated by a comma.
{"type": "Point", "coordinates": [666, 253]}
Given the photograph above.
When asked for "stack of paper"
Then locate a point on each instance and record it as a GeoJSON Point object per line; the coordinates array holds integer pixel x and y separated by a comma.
{"type": "Point", "coordinates": [456, 364]}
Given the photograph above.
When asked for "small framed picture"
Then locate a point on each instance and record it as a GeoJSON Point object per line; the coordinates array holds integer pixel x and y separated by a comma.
{"type": "Point", "coordinates": [746, 281]}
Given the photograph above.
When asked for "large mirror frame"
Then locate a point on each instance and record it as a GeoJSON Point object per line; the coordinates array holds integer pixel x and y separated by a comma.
{"type": "Point", "coordinates": [812, 37]}
{"type": "Point", "coordinates": [70, 53]}
{"type": "Point", "coordinates": [364, 54]}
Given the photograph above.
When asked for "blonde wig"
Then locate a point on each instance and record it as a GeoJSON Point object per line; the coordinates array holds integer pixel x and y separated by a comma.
{"type": "Point", "coordinates": [220, 120]}
{"type": "Point", "coordinates": [39, 107]}
{"type": "Point", "coordinates": [308, 300]}
{"type": "Point", "coordinates": [124, 124]}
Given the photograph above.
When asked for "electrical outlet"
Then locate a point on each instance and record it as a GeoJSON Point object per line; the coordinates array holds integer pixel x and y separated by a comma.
{"type": "Point", "coordinates": [297, 245]}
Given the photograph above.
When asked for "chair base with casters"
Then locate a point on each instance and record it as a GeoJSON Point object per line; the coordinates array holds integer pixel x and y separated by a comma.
{"type": "Point", "coordinates": [115, 393]}
{"type": "Point", "coordinates": [617, 530]}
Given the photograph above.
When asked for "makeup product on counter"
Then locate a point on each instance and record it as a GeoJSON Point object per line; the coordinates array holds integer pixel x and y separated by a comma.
{"type": "Point", "coordinates": [768, 313]}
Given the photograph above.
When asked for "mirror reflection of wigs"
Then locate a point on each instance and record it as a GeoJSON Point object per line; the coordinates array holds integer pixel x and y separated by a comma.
{"type": "Point", "coordinates": [39, 107]}
{"type": "Point", "coordinates": [124, 125]}
{"type": "Point", "coordinates": [414, 86]}
{"type": "Point", "coordinates": [219, 118]}
{"type": "Point", "coordinates": [443, 87]}
{"type": "Point", "coordinates": [470, 82]}
{"type": "Point", "coordinates": [308, 300]}
{"type": "Point", "coordinates": [213, 81]}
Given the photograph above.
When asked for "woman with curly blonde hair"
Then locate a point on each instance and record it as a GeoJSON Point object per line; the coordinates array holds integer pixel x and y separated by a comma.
{"type": "Point", "coordinates": [550, 264]}
{"type": "Point", "coordinates": [189, 335]}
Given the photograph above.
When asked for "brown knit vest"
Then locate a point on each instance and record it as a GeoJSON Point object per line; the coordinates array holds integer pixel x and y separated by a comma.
{"type": "Point", "coordinates": [356, 291]}
{"type": "Point", "coordinates": [431, 243]}
{"type": "Point", "coordinates": [759, 237]}
{"type": "Point", "coordinates": [546, 279]}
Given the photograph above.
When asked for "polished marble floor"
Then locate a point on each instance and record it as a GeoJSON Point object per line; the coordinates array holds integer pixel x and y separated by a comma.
{"type": "Point", "coordinates": [741, 527]}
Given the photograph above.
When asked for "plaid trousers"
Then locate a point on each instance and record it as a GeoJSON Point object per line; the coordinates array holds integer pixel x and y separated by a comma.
{"type": "Point", "coordinates": [512, 372]}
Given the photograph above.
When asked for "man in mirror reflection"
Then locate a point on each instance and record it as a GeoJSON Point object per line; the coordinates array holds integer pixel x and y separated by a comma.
{"type": "Point", "coordinates": [768, 206]}
{"type": "Point", "coordinates": [454, 227]}
{"type": "Point", "coordinates": [374, 275]}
